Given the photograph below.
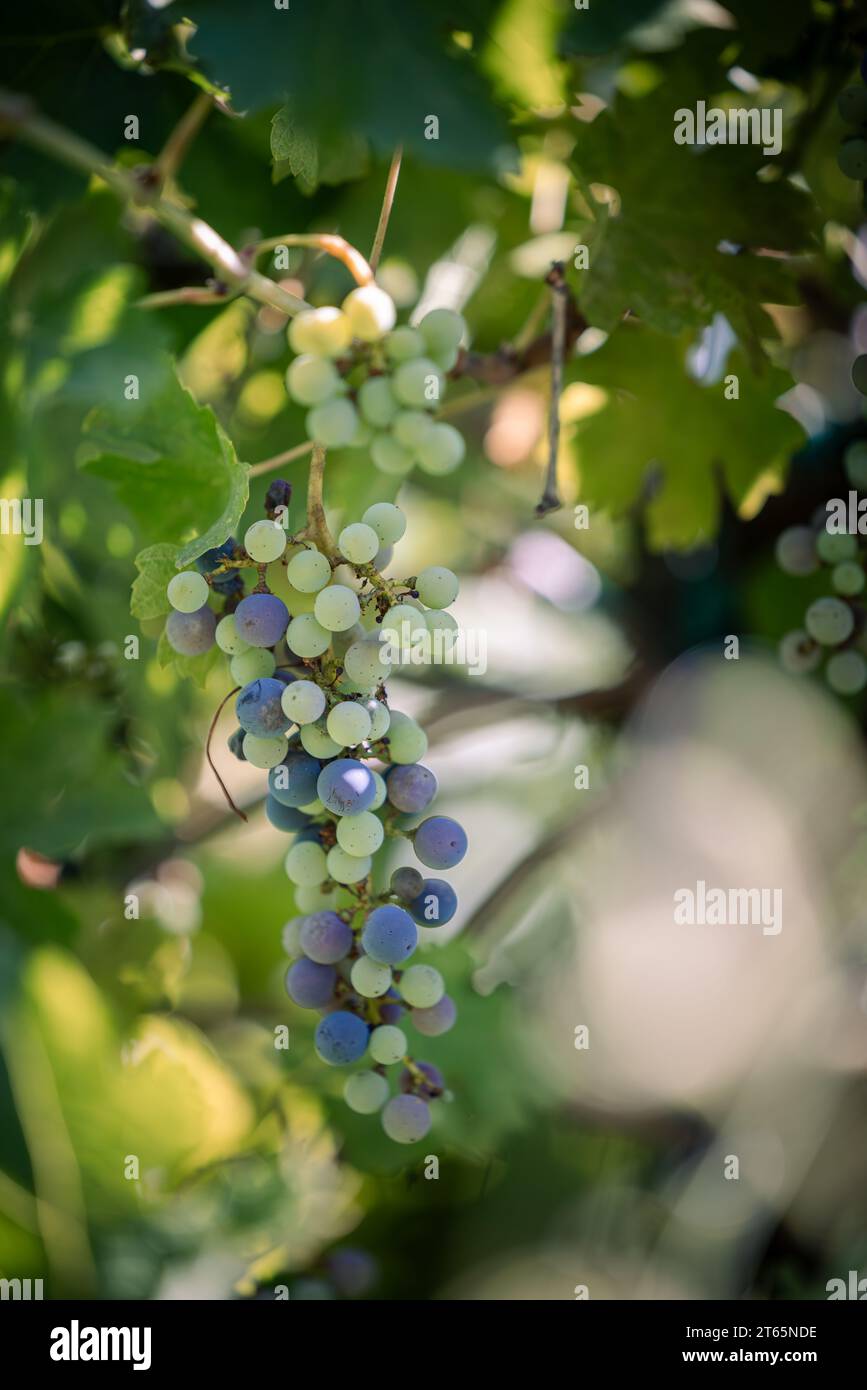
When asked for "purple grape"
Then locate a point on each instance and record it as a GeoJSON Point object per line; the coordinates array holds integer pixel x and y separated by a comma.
{"type": "Point", "coordinates": [406, 1119]}
{"type": "Point", "coordinates": [341, 1038]}
{"type": "Point", "coordinates": [191, 634]}
{"type": "Point", "coordinates": [259, 709]}
{"type": "Point", "coordinates": [279, 494]}
{"type": "Point", "coordinates": [411, 787]}
{"type": "Point", "coordinates": [436, 903]}
{"type": "Point", "coordinates": [406, 883]}
{"type": "Point", "coordinates": [236, 745]}
{"type": "Point", "coordinates": [261, 619]}
{"type": "Point", "coordinates": [228, 583]}
{"type": "Point", "coordinates": [346, 787]}
{"type": "Point", "coordinates": [391, 1007]}
{"type": "Point", "coordinates": [439, 1018]}
{"type": "Point", "coordinates": [309, 984]}
{"type": "Point", "coordinates": [390, 935]}
{"type": "Point", "coordinates": [433, 1085]}
{"type": "Point", "coordinates": [287, 818]}
{"type": "Point", "coordinates": [353, 1272]}
{"type": "Point", "coordinates": [440, 842]}
{"type": "Point", "coordinates": [293, 782]}
{"type": "Point", "coordinates": [325, 937]}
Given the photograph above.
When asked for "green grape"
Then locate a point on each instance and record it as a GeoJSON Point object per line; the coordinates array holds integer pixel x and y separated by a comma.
{"type": "Point", "coordinates": [437, 587]}
{"type": "Point", "coordinates": [333, 423]}
{"type": "Point", "coordinates": [443, 451]}
{"type": "Point", "coordinates": [404, 616]}
{"type": "Point", "coordinates": [264, 752]}
{"type": "Point", "coordinates": [852, 158]}
{"type": "Point", "coordinates": [320, 332]}
{"type": "Point", "coordinates": [859, 366]}
{"type": "Point", "coordinates": [412, 428]}
{"type": "Point", "coordinates": [229, 639]}
{"type": "Point", "coordinates": [252, 665]}
{"type": "Point", "coordinates": [848, 578]}
{"type": "Point", "coordinates": [422, 986]}
{"type": "Point", "coordinates": [366, 1092]}
{"type": "Point", "coordinates": [369, 978]}
{"type": "Point", "coordinates": [407, 741]}
{"type": "Point", "coordinates": [370, 311]}
{"type": "Point", "coordinates": [187, 592]}
{"type": "Point", "coordinates": [418, 383]}
{"type": "Point", "coordinates": [308, 571]}
{"type": "Point", "coordinates": [312, 898]}
{"type": "Point", "coordinates": [311, 380]}
{"type": "Point", "coordinates": [348, 724]}
{"type": "Point", "coordinates": [360, 834]}
{"type": "Point", "coordinates": [389, 456]}
{"type": "Point", "coordinates": [387, 520]}
{"type": "Point", "coordinates": [795, 550]}
{"type": "Point", "coordinates": [312, 808]}
{"type": "Point", "coordinates": [387, 1044]}
{"type": "Point", "coordinates": [306, 637]}
{"type": "Point", "coordinates": [305, 864]}
{"type": "Point", "coordinates": [834, 549]}
{"type": "Point", "coordinates": [336, 608]}
{"type": "Point", "coordinates": [829, 621]}
{"type": "Point", "coordinates": [364, 665]}
{"type": "Point", "coordinates": [359, 543]}
{"type": "Point", "coordinates": [291, 937]}
{"type": "Point", "coordinates": [846, 673]}
{"type": "Point", "coordinates": [855, 463]}
{"type": "Point", "coordinates": [347, 868]}
{"type": "Point", "coordinates": [445, 358]}
{"type": "Point", "coordinates": [442, 329]}
{"type": "Point", "coordinates": [362, 435]}
{"type": "Point", "coordinates": [315, 741]}
{"type": "Point", "coordinates": [852, 105]}
{"type": "Point", "coordinates": [439, 621]}
{"type": "Point", "coordinates": [265, 541]}
{"type": "Point", "coordinates": [303, 702]}
{"type": "Point", "coordinates": [381, 792]}
{"type": "Point", "coordinates": [376, 401]}
{"type": "Point", "coordinates": [379, 718]}
{"type": "Point", "coordinates": [402, 344]}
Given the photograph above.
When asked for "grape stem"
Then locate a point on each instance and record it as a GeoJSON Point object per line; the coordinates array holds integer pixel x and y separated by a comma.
{"type": "Point", "coordinates": [385, 211]}
{"type": "Point", "coordinates": [327, 242]}
{"type": "Point", "coordinates": [173, 152]}
{"type": "Point", "coordinates": [288, 456]}
{"type": "Point", "coordinates": [317, 526]}
{"type": "Point", "coordinates": [223, 788]}
{"type": "Point", "coordinates": [142, 188]}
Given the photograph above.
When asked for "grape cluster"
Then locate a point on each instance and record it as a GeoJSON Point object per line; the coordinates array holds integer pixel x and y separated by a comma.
{"type": "Point", "coordinates": [370, 385]}
{"type": "Point", "coordinates": [834, 623]}
{"type": "Point", "coordinates": [344, 774]}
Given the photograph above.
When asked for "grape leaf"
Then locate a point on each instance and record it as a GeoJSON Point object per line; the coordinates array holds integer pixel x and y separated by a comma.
{"type": "Point", "coordinates": [682, 244]}
{"type": "Point", "coordinates": [699, 441]}
{"type": "Point", "coordinates": [298, 154]}
{"type": "Point", "coordinates": [171, 464]}
{"type": "Point", "coordinates": [294, 146]}
{"type": "Point", "coordinates": [410, 72]}
{"type": "Point", "coordinates": [155, 566]}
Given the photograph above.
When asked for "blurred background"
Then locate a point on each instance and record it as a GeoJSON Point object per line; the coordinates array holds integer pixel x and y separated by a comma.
{"type": "Point", "coordinates": [607, 1064]}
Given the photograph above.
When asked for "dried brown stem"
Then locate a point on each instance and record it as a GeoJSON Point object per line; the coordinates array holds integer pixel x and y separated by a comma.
{"type": "Point", "coordinates": [223, 788]}
{"type": "Point", "coordinates": [385, 211]}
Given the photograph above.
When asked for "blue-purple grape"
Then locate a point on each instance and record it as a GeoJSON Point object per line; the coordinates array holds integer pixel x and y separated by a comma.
{"type": "Point", "coordinates": [325, 938]}
{"type": "Point", "coordinates": [287, 818]}
{"type": "Point", "coordinates": [310, 985]}
{"type": "Point", "coordinates": [341, 1038]}
{"type": "Point", "coordinates": [439, 1018]}
{"type": "Point", "coordinates": [346, 787]}
{"type": "Point", "coordinates": [261, 619]}
{"type": "Point", "coordinates": [191, 634]}
{"type": "Point", "coordinates": [293, 782]}
{"type": "Point", "coordinates": [406, 883]}
{"type": "Point", "coordinates": [406, 1119]}
{"type": "Point", "coordinates": [435, 903]}
{"type": "Point", "coordinates": [411, 787]}
{"type": "Point", "coordinates": [440, 842]}
{"type": "Point", "coordinates": [259, 708]}
{"type": "Point", "coordinates": [390, 935]}
{"type": "Point", "coordinates": [430, 1088]}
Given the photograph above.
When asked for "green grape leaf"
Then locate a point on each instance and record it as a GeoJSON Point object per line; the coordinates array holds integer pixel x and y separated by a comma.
{"type": "Point", "coordinates": [294, 147]}
{"type": "Point", "coordinates": [155, 566]}
{"type": "Point", "coordinates": [195, 668]}
{"type": "Point", "coordinates": [658, 417]}
{"type": "Point", "coordinates": [287, 52]}
{"type": "Point", "coordinates": [695, 225]}
{"type": "Point", "coordinates": [88, 791]}
{"type": "Point", "coordinates": [170, 462]}
{"type": "Point", "coordinates": [298, 154]}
